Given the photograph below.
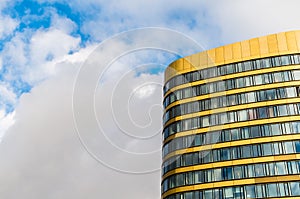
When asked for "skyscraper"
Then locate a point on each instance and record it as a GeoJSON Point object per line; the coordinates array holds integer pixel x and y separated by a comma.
{"type": "Point", "coordinates": [232, 121]}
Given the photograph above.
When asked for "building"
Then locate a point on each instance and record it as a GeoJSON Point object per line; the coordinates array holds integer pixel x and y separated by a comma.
{"type": "Point", "coordinates": [232, 121]}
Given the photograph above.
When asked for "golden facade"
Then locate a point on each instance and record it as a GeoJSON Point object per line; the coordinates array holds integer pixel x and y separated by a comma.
{"type": "Point", "coordinates": [232, 121]}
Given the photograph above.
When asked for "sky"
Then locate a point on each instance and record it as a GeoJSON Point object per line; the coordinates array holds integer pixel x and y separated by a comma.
{"type": "Point", "coordinates": [81, 87]}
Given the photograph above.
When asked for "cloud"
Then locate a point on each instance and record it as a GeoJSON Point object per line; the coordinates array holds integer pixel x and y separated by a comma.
{"type": "Point", "coordinates": [7, 26]}
{"type": "Point", "coordinates": [6, 121]}
{"type": "Point", "coordinates": [42, 157]}
{"type": "Point", "coordinates": [237, 20]}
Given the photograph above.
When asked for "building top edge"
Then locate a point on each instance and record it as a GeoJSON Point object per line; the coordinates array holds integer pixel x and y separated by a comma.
{"type": "Point", "coordinates": [266, 46]}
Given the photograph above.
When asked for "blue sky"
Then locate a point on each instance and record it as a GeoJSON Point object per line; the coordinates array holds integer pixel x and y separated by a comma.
{"type": "Point", "coordinates": [43, 46]}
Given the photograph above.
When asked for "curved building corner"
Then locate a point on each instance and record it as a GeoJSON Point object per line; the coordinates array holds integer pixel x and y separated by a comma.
{"type": "Point", "coordinates": [232, 121]}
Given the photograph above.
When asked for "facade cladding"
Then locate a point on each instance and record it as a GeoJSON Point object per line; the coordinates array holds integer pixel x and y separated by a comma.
{"type": "Point", "coordinates": [232, 121]}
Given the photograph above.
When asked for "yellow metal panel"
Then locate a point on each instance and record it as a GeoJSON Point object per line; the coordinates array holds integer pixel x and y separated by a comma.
{"type": "Point", "coordinates": [282, 43]}
{"type": "Point", "coordinates": [179, 65]}
{"type": "Point", "coordinates": [219, 55]}
{"type": "Point", "coordinates": [228, 53]}
{"type": "Point", "coordinates": [272, 44]}
{"type": "Point", "coordinates": [264, 48]}
{"type": "Point", "coordinates": [237, 52]}
{"type": "Point", "coordinates": [254, 48]}
{"type": "Point", "coordinates": [186, 64]}
{"type": "Point", "coordinates": [195, 61]}
{"type": "Point", "coordinates": [297, 37]}
{"type": "Point", "coordinates": [203, 60]}
{"type": "Point", "coordinates": [211, 57]}
{"type": "Point", "coordinates": [268, 46]}
{"type": "Point", "coordinates": [245, 49]}
{"type": "Point", "coordinates": [292, 42]}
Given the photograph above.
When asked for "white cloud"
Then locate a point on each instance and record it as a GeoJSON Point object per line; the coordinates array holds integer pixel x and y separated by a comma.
{"type": "Point", "coordinates": [41, 156]}
{"type": "Point", "coordinates": [7, 25]}
{"type": "Point", "coordinates": [6, 121]}
{"type": "Point", "coordinates": [45, 48]}
{"type": "Point", "coordinates": [240, 20]}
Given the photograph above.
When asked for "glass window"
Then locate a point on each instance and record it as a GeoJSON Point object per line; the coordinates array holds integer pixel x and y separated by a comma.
{"type": "Point", "coordinates": [238, 192]}
{"type": "Point", "coordinates": [277, 77]}
{"type": "Point", "coordinates": [296, 127]}
{"type": "Point", "coordinates": [223, 118]}
{"type": "Point", "coordinates": [235, 134]}
{"type": "Point", "coordinates": [242, 115]}
{"type": "Point", "coordinates": [226, 135]}
{"type": "Point", "coordinates": [272, 190]}
{"type": "Point", "coordinates": [297, 146]}
{"type": "Point", "coordinates": [230, 69]}
{"type": "Point", "coordinates": [282, 110]}
{"type": "Point", "coordinates": [251, 114]}
{"type": "Point", "coordinates": [259, 170]}
{"type": "Point", "coordinates": [228, 193]}
{"type": "Point", "coordinates": [227, 173]}
{"type": "Point", "coordinates": [207, 194]}
{"type": "Point", "coordinates": [250, 97]}
{"type": "Point", "coordinates": [249, 171]}
{"type": "Point", "coordinates": [281, 168]}
{"type": "Point", "coordinates": [256, 150]}
{"type": "Point", "coordinates": [258, 64]}
{"type": "Point", "coordinates": [198, 140]}
{"type": "Point", "coordinates": [225, 154]}
{"type": "Point", "coordinates": [271, 168]}
{"type": "Point", "coordinates": [286, 76]}
{"type": "Point", "coordinates": [248, 65]}
{"type": "Point", "coordinates": [275, 129]}
{"type": "Point", "coordinates": [217, 174]}
{"type": "Point", "coordinates": [282, 189]}
{"type": "Point", "coordinates": [266, 130]}
{"type": "Point", "coordinates": [250, 191]}
{"type": "Point", "coordinates": [260, 191]}
{"type": "Point", "coordinates": [265, 63]}
{"type": "Point", "coordinates": [277, 148]}
{"type": "Point", "coordinates": [275, 61]}
{"type": "Point", "coordinates": [198, 177]}
{"type": "Point", "coordinates": [296, 74]}
{"type": "Point", "coordinates": [179, 180]}
{"type": "Point", "coordinates": [246, 151]}
{"type": "Point", "coordinates": [255, 131]}
{"type": "Point", "coordinates": [188, 195]}
{"type": "Point", "coordinates": [296, 59]}
{"type": "Point", "coordinates": [267, 149]}
{"type": "Point", "coordinates": [271, 94]}
{"type": "Point", "coordinates": [245, 133]}
{"type": "Point", "coordinates": [263, 112]}
{"type": "Point", "coordinates": [258, 79]}
{"type": "Point", "coordinates": [295, 188]}
{"type": "Point", "coordinates": [292, 167]}
{"type": "Point", "coordinates": [285, 60]}
{"type": "Point", "coordinates": [238, 172]}
{"type": "Point", "coordinates": [205, 121]}
{"type": "Point", "coordinates": [231, 117]}
{"type": "Point", "coordinates": [248, 81]}
{"type": "Point", "coordinates": [240, 82]}
{"type": "Point", "coordinates": [235, 153]}
{"type": "Point", "coordinates": [232, 100]}
{"type": "Point", "coordinates": [291, 109]}
{"type": "Point", "coordinates": [289, 147]}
